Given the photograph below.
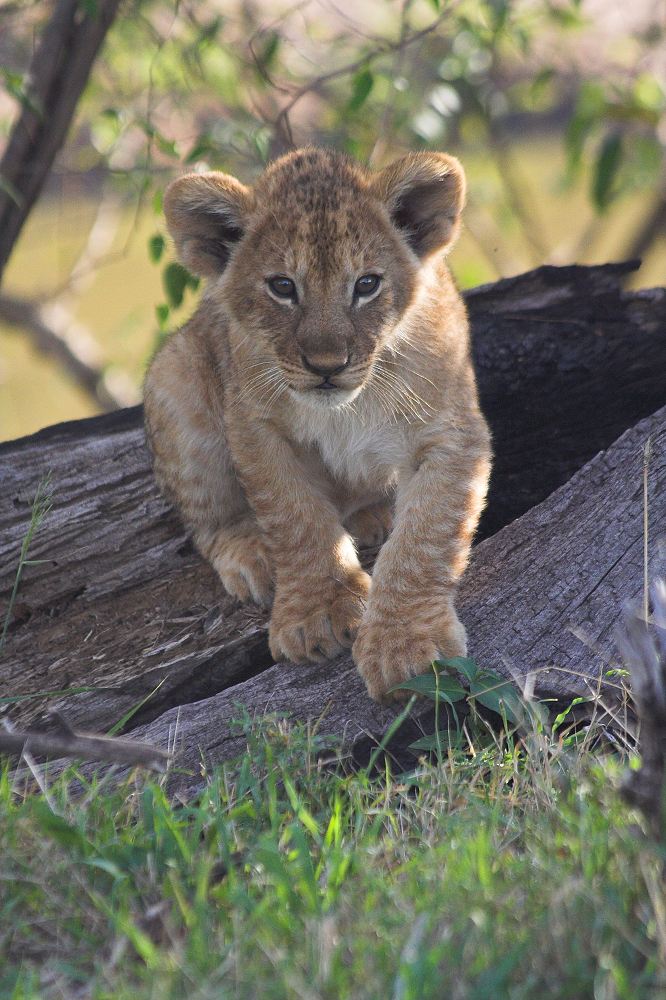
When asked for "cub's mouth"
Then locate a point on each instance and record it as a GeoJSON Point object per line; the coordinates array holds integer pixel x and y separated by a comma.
{"type": "Point", "coordinates": [326, 385]}
{"type": "Point", "coordinates": [327, 390]}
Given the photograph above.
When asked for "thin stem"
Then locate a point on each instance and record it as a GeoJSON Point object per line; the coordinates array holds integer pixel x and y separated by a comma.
{"type": "Point", "coordinates": [41, 505]}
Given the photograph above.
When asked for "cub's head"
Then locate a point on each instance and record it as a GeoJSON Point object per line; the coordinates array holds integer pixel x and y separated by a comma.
{"type": "Point", "coordinates": [319, 261]}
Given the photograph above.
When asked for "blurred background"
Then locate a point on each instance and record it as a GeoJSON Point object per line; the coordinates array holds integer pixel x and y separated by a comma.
{"type": "Point", "coordinates": [557, 109]}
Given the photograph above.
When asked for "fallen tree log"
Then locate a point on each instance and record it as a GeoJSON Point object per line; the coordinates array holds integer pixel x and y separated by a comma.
{"type": "Point", "coordinates": [120, 603]}
{"type": "Point", "coordinates": [543, 597]}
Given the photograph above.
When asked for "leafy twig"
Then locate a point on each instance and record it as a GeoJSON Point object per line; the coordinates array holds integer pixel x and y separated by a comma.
{"type": "Point", "coordinates": [282, 125]}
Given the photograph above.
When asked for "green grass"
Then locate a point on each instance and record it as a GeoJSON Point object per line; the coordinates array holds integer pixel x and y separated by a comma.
{"type": "Point", "coordinates": [507, 869]}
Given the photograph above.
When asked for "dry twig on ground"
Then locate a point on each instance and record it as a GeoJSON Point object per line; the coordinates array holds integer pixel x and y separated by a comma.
{"type": "Point", "coordinates": [60, 740]}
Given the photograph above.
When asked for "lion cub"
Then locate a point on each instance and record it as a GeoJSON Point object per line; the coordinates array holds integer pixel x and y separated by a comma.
{"type": "Point", "coordinates": [322, 391]}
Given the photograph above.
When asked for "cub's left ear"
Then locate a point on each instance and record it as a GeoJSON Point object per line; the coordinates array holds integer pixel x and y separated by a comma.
{"type": "Point", "coordinates": [424, 194]}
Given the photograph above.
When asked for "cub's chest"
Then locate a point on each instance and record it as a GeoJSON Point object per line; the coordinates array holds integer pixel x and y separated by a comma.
{"type": "Point", "coordinates": [355, 451]}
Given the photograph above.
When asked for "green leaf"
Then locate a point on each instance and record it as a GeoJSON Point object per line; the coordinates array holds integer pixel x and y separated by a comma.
{"type": "Point", "coordinates": [499, 695]}
{"type": "Point", "coordinates": [59, 829]}
{"type": "Point", "coordinates": [17, 86]}
{"type": "Point", "coordinates": [176, 279]}
{"type": "Point", "coordinates": [121, 723]}
{"type": "Point", "coordinates": [541, 82]}
{"type": "Point", "coordinates": [566, 17]}
{"type": "Point", "coordinates": [436, 741]}
{"type": "Point", "coordinates": [649, 93]}
{"type": "Point", "coordinates": [462, 665]}
{"type": "Point", "coordinates": [166, 146]}
{"type": "Point", "coordinates": [107, 866]}
{"type": "Point", "coordinates": [266, 57]}
{"type": "Point", "coordinates": [500, 12]}
{"type": "Point", "coordinates": [424, 684]}
{"type": "Point", "coordinates": [156, 245]}
{"type": "Point", "coordinates": [589, 114]}
{"type": "Point", "coordinates": [202, 146]}
{"type": "Point", "coordinates": [447, 688]}
{"type": "Point", "coordinates": [362, 84]}
{"type": "Point", "coordinates": [162, 312]}
{"type": "Point", "coordinates": [606, 168]}
{"type": "Point", "coordinates": [559, 719]}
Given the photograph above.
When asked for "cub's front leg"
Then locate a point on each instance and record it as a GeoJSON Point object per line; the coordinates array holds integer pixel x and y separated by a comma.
{"type": "Point", "coordinates": [320, 588]}
{"type": "Point", "coordinates": [411, 618]}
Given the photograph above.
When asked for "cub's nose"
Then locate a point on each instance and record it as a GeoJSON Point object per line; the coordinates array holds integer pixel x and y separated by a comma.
{"type": "Point", "coordinates": [325, 365]}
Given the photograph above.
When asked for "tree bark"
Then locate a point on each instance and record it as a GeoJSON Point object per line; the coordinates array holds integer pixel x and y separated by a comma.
{"type": "Point", "coordinates": [119, 602]}
{"type": "Point", "coordinates": [565, 361]}
{"type": "Point", "coordinates": [58, 75]}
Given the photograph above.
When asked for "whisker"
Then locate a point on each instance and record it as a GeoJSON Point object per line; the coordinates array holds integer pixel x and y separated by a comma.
{"type": "Point", "coordinates": [273, 398]}
{"type": "Point", "coordinates": [383, 389]}
{"type": "Point", "coordinates": [239, 345]}
{"type": "Point", "coordinates": [262, 380]}
{"type": "Point", "coordinates": [385, 361]}
{"type": "Point", "coordinates": [408, 399]}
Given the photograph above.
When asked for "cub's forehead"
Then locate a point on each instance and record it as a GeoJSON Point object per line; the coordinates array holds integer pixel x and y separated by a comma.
{"type": "Point", "coordinates": [311, 178]}
{"type": "Point", "coordinates": [315, 207]}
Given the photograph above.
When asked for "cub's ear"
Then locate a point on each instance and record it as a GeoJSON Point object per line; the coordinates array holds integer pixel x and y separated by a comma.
{"type": "Point", "coordinates": [206, 215]}
{"type": "Point", "coordinates": [424, 194]}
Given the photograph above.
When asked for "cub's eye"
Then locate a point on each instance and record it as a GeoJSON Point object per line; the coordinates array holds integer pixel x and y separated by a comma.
{"type": "Point", "coordinates": [283, 287]}
{"type": "Point", "coordinates": [366, 285]}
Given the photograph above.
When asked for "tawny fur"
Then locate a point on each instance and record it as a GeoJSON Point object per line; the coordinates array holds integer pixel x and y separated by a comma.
{"type": "Point", "coordinates": [273, 474]}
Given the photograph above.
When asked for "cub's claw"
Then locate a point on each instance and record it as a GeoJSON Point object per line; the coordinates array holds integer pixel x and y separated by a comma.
{"type": "Point", "coordinates": [319, 622]}
{"type": "Point", "coordinates": [371, 525]}
{"type": "Point", "coordinates": [243, 563]}
{"type": "Point", "coordinates": [388, 651]}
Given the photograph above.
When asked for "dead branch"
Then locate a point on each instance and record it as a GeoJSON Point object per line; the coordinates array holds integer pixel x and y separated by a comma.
{"type": "Point", "coordinates": [652, 227]}
{"type": "Point", "coordinates": [62, 741]}
{"type": "Point", "coordinates": [54, 333]}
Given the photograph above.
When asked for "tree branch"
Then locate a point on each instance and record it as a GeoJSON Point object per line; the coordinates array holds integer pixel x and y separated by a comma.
{"type": "Point", "coordinates": [282, 126]}
{"type": "Point", "coordinates": [58, 74]}
{"type": "Point", "coordinates": [654, 225]}
{"type": "Point", "coordinates": [54, 334]}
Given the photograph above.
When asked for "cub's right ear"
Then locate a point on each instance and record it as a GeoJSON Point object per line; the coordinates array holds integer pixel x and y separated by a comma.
{"type": "Point", "coordinates": [206, 215]}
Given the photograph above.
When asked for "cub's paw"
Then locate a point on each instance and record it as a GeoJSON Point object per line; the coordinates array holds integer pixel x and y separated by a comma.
{"type": "Point", "coordinates": [371, 525]}
{"type": "Point", "coordinates": [243, 563]}
{"type": "Point", "coordinates": [389, 651]}
{"type": "Point", "coordinates": [319, 619]}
